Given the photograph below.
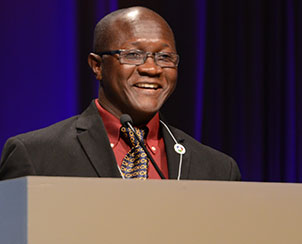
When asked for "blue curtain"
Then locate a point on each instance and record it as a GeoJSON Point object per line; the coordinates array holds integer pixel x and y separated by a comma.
{"type": "Point", "coordinates": [40, 68]}
{"type": "Point", "coordinates": [252, 92]}
{"type": "Point", "coordinates": [38, 50]}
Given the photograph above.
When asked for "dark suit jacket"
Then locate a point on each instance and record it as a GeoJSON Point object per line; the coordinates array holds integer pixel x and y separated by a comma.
{"type": "Point", "coordinates": [79, 146]}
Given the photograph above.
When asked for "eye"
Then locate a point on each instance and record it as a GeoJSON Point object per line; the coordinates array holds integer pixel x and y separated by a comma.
{"type": "Point", "coordinates": [165, 57]}
{"type": "Point", "coordinates": [133, 55]}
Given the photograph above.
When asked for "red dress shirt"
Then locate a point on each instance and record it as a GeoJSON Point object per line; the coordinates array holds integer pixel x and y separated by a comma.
{"type": "Point", "coordinates": [154, 141]}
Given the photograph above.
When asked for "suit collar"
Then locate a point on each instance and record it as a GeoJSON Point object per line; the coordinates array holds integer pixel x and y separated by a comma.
{"type": "Point", "coordinates": [95, 143]}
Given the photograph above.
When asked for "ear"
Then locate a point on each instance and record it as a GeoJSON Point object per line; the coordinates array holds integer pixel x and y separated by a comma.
{"type": "Point", "coordinates": [94, 62]}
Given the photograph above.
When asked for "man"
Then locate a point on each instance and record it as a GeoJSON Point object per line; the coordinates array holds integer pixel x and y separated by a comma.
{"type": "Point", "coordinates": [135, 60]}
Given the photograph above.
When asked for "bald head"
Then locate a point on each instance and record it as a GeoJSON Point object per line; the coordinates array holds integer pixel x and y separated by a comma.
{"type": "Point", "coordinates": [116, 25]}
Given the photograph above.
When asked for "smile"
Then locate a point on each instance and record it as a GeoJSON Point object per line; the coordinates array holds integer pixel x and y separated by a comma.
{"type": "Point", "coordinates": [148, 85]}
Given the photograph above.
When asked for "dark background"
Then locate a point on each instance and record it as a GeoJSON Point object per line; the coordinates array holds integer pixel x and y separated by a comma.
{"type": "Point", "coordinates": [240, 73]}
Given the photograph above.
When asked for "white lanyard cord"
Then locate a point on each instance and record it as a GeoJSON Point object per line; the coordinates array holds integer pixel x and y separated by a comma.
{"type": "Point", "coordinates": [180, 155]}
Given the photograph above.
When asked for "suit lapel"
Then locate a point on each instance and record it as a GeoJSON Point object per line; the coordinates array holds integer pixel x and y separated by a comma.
{"type": "Point", "coordinates": [95, 143]}
{"type": "Point", "coordinates": [173, 158]}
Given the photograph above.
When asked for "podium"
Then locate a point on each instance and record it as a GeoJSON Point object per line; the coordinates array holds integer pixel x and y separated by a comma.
{"type": "Point", "coordinates": [55, 210]}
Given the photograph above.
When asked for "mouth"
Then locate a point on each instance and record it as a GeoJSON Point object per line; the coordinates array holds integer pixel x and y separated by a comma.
{"type": "Point", "coordinates": [149, 86]}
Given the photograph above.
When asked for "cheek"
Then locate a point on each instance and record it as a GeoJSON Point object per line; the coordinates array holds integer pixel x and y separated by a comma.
{"type": "Point", "coordinates": [171, 78]}
{"type": "Point", "coordinates": [125, 74]}
{"type": "Point", "coordinates": [117, 76]}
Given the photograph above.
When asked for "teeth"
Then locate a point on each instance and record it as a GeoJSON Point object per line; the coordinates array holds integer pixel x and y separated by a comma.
{"type": "Point", "coordinates": [147, 85]}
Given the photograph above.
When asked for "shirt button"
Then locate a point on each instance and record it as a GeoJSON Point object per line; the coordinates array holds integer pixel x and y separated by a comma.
{"type": "Point", "coordinates": [111, 144]}
{"type": "Point", "coordinates": [153, 148]}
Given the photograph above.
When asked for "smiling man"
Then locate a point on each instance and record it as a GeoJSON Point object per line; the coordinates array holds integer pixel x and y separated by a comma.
{"type": "Point", "coordinates": [136, 62]}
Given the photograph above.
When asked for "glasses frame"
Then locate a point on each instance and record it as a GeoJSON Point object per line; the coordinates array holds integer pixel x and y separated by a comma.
{"type": "Point", "coordinates": [146, 55]}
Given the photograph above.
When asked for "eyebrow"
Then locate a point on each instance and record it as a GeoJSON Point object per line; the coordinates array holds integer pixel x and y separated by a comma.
{"type": "Point", "coordinates": [137, 43]}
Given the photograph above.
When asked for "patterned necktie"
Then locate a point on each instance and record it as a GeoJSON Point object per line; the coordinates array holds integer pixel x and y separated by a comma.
{"type": "Point", "coordinates": [135, 163]}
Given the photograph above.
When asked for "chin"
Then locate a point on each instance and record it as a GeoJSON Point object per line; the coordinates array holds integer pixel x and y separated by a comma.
{"type": "Point", "coordinates": [148, 108]}
{"type": "Point", "coordinates": [143, 114]}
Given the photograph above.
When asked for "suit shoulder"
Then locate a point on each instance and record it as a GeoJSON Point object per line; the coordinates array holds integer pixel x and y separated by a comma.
{"type": "Point", "coordinates": [195, 145]}
{"type": "Point", "coordinates": [215, 164]}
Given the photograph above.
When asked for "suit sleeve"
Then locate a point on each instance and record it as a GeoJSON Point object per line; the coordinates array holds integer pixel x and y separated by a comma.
{"type": "Point", "coordinates": [15, 160]}
{"type": "Point", "coordinates": [235, 172]}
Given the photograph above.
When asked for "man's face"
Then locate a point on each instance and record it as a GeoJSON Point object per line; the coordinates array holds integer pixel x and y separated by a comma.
{"type": "Point", "coordinates": [137, 90]}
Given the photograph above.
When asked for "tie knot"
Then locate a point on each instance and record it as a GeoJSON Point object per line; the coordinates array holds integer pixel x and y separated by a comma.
{"type": "Point", "coordinates": [129, 136]}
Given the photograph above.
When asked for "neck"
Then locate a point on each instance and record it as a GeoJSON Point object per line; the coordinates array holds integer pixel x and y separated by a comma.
{"type": "Point", "coordinates": [138, 119]}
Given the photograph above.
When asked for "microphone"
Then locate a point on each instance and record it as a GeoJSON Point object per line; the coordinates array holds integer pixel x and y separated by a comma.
{"type": "Point", "coordinates": [126, 121]}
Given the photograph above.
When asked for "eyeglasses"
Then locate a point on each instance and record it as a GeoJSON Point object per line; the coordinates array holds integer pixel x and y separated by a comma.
{"type": "Point", "coordinates": [138, 57]}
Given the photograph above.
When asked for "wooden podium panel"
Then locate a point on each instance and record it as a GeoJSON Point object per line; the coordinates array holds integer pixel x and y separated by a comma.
{"type": "Point", "coordinates": [55, 210]}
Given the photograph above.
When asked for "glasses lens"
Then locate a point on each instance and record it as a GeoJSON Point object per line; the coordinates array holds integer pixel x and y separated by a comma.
{"type": "Point", "coordinates": [138, 57]}
{"type": "Point", "coordinates": [132, 57]}
{"type": "Point", "coordinates": [166, 59]}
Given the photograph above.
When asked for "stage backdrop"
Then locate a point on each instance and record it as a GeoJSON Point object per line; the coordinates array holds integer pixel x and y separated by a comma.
{"type": "Point", "coordinates": [240, 73]}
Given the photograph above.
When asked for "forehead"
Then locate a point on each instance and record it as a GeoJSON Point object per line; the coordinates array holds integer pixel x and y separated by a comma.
{"type": "Point", "coordinates": [134, 30]}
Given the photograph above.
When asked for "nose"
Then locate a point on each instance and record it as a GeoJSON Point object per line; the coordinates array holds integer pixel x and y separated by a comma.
{"type": "Point", "coordinates": [149, 67]}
